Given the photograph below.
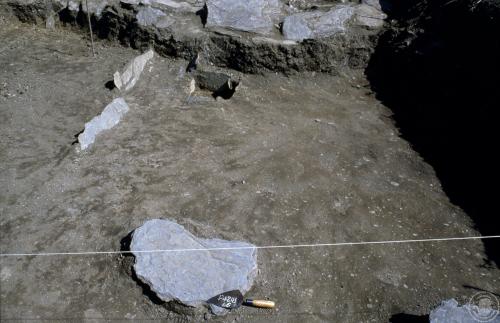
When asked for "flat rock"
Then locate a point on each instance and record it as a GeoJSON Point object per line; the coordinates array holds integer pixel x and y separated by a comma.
{"type": "Point", "coordinates": [257, 16]}
{"type": "Point", "coordinates": [109, 118]}
{"type": "Point", "coordinates": [190, 277]}
{"type": "Point", "coordinates": [369, 16]}
{"type": "Point", "coordinates": [132, 72]}
{"type": "Point", "coordinates": [317, 24]}
{"type": "Point", "coordinates": [148, 16]}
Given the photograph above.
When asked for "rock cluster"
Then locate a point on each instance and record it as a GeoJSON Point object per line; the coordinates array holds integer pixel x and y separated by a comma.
{"type": "Point", "coordinates": [246, 35]}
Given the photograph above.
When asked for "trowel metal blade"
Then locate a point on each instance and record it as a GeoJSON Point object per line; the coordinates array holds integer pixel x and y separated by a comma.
{"type": "Point", "coordinates": [229, 300]}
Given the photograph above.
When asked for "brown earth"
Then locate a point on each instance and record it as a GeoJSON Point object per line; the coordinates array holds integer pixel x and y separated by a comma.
{"type": "Point", "coordinates": [306, 159]}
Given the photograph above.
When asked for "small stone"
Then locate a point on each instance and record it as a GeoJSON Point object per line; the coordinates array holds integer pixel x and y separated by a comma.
{"type": "Point", "coordinates": [109, 118]}
{"type": "Point", "coordinates": [132, 71]}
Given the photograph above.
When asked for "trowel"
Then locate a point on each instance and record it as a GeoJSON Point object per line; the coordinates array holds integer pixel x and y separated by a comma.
{"type": "Point", "coordinates": [234, 299]}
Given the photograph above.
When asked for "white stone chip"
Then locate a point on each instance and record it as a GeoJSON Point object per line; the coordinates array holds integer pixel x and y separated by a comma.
{"type": "Point", "coordinates": [109, 118]}
{"type": "Point", "coordinates": [132, 72]}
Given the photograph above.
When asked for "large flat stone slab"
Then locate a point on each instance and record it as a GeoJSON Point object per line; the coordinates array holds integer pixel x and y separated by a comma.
{"type": "Point", "coordinates": [257, 16]}
{"type": "Point", "coordinates": [317, 24]}
{"type": "Point", "coordinates": [190, 276]}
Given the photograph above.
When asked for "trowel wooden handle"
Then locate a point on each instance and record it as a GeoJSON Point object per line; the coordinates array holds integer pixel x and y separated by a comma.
{"type": "Point", "coordinates": [259, 303]}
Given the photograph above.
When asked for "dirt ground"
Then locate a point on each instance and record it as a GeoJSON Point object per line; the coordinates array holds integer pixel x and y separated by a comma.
{"type": "Point", "coordinates": [304, 159]}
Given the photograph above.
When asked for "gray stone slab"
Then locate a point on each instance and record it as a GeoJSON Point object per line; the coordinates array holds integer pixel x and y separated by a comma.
{"type": "Point", "coordinates": [257, 16]}
{"type": "Point", "coordinates": [197, 272]}
{"type": "Point", "coordinates": [317, 24]}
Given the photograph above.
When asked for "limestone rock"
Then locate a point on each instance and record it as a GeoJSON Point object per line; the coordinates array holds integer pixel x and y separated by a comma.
{"type": "Point", "coordinates": [257, 16]}
{"type": "Point", "coordinates": [109, 118]}
{"type": "Point", "coordinates": [190, 276]}
{"type": "Point", "coordinates": [132, 71]}
{"type": "Point", "coordinates": [317, 24]}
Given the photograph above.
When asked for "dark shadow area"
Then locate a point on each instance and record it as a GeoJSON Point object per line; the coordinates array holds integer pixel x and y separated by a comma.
{"type": "Point", "coordinates": [203, 14]}
{"type": "Point", "coordinates": [437, 67]}
{"type": "Point", "coordinates": [67, 16]}
{"type": "Point", "coordinates": [128, 262]}
{"type": "Point", "coordinates": [110, 85]}
{"type": "Point", "coordinates": [408, 318]}
{"type": "Point", "coordinates": [125, 244]}
{"type": "Point", "coordinates": [74, 142]}
{"type": "Point", "coordinates": [227, 90]}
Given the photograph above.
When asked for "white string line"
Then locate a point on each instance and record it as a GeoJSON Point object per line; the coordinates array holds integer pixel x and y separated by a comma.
{"type": "Point", "coordinates": [337, 244]}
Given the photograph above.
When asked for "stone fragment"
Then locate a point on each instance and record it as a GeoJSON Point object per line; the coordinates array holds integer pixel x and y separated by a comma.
{"type": "Point", "coordinates": [197, 272]}
{"type": "Point", "coordinates": [257, 16]}
{"type": "Point", "coordinates": [132, 71]}
{"type": "Point", "coordinates": [370, 17]}
{"type": "Point", "coordinates": [109, 118]}
{"type": "Point", "coordinates": [317, 24]}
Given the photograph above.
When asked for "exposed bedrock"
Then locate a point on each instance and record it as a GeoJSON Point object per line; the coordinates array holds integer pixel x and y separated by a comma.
{"type": "Point", "coordinates": [252, 37]}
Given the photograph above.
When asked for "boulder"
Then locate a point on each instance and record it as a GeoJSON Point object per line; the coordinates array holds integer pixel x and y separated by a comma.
{"type": "Point", "coordinates": [134, 68]}
{"type": "Point", "coordinates": [257, 16]}
{"type": "Point", "coordinates": [109, 118]}
{"type": "Point", "coordinates": [317, 24]}
{"type": "Point", "coordinates": [197, 271]}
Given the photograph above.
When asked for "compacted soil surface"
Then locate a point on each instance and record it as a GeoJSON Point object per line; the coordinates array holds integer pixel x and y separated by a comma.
{"type": "Point", "coordinates": [304, 159]}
